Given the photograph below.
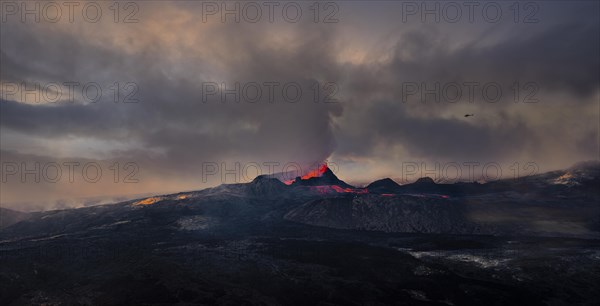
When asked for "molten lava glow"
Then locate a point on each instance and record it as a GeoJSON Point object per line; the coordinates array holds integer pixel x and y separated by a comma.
{"type": "Point", "coordinates": [337, 189]}
{"type": "Point", "coordinates": [148, 201]}
{"type": "Point", "coordinates": [349, 190]}
{"type": "Point", "coordinates": [315, 173]}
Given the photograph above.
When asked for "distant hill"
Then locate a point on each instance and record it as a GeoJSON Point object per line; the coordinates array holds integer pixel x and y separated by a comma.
{"type": "Point", "coordinates": [9, 217]}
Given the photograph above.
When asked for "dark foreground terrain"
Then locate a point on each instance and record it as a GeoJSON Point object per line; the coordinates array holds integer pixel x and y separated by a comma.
{"type": "Point", "coordinates": [266, 243]}
{"type": "Point", "coordinates": [304, 266]}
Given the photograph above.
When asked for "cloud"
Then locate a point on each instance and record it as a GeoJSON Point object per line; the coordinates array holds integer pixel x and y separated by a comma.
{"type": "Point", "coordinates": [560, 60]}
{"type": "Point", "coordinates": [174, 128]}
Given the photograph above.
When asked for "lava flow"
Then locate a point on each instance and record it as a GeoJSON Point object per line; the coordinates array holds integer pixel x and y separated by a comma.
{"type": "Point", "coordinates": [330, 185]}
{"type": "Point", "coordinates": [329, 189]}
{"type": "Point", "coordinates": [314, 173]}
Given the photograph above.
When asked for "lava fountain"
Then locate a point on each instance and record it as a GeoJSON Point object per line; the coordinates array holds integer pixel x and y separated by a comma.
{"type": "Point", "coordinates": [314, 173]}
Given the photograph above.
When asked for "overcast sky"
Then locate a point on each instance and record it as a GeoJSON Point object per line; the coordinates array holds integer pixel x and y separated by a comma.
{"type": "Point", "coordinates": [356, 88]}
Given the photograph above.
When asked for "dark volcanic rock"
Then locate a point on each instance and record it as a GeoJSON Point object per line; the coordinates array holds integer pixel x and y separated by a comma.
{"type": "Point", "coordinates": [385, 185]}
{"type": "Point", "coordinates": [245, 244]}
{"type": "Point", "coordinates": [265, 186]}
{"type": "Point", "coordinates": [9, 217]}
{"type": "Point", "coordinates": [425, 181]}
{"type": "Point", "coordinates": [389, 214]}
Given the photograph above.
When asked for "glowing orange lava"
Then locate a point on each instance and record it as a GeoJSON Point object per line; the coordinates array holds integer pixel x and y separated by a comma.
{"type": "Point", "coordinates": [314, 173]}
{"type": "Point", "coordinates": [333, 189]}
{"type": "Point", "coordinates": [349, 190]}
{"type": "Point", "coordinates": [148, 201]}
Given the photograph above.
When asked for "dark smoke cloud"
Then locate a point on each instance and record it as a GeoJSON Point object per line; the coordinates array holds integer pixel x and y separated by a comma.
{"type": "Point", "coordinates": [170, 133]}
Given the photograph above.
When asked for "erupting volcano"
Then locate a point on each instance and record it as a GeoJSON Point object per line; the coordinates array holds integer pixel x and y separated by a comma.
{"type": "Point", "coordinates": [416, 233]}
{"type": "Point", "coordinates": [324, 181]}
{"type": "Point", "coordinates": [314, 173]}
